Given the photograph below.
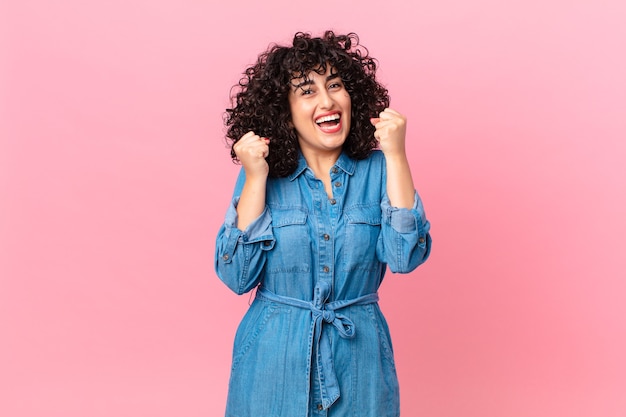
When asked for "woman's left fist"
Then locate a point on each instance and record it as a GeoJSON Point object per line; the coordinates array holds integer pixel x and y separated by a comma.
{"type": "Point", "coordinates": [390, 132]}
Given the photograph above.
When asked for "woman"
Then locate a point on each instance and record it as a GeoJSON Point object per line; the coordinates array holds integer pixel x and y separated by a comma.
{"type": "Point", "coordinates": [318, 214]}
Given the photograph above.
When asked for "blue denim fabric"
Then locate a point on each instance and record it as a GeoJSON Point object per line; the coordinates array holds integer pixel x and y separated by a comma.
{"type": "Point", "coordinates": [314, 341]}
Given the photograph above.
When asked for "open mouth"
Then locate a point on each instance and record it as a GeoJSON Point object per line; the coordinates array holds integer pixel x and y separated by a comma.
{"type": "Point", "coordinates": [329, 123]}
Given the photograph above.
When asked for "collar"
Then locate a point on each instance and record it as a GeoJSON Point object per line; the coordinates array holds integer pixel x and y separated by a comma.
{"type": "Point", "coordinates": [344, 162]}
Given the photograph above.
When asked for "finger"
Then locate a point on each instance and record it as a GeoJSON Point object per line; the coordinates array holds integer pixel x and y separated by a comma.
{"type": "Point", "coordinates": [374, 120]}
{"type": "Point", "coordinates": [253, 146]}
{"type": "Point", "coordinates": [386, 115]}
{"type": "Point", "coordinates": [246, 140]}
{"type": "Point", "coordinates": [248, 135]}
{"type": "Point", "coordinates": [265, 142]}
{"type": "Point", "coordinates": [390, 114]}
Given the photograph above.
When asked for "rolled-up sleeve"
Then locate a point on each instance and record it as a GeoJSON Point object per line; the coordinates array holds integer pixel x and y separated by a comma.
{"type": "Point", "coordinates": [404, 242]}
{"type": "Point", "coordinates": [240, 254]}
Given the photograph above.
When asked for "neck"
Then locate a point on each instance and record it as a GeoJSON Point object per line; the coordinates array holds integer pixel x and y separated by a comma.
{"type": "Point", "coordinates": [321, 162]}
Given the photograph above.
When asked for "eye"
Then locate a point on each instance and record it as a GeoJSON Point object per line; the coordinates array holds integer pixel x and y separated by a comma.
{"type": "Point", "coordinates": [306, 91]}
{"type": "Point", "coordinates": [335, 86]}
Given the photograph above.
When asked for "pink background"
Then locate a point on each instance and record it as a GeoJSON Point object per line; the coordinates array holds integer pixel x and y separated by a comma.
{"type": "Point", "coordinates": [114, 179]}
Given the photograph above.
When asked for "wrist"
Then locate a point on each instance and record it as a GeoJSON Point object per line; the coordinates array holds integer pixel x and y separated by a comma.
{"type": "Point", "coordinates": [257, 176]}
{"type": "Point", "coordinates": [396, 158]}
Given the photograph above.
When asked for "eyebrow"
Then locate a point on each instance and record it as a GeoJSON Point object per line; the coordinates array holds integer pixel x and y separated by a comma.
{"type": "Point", "coordinates": [309, 81]}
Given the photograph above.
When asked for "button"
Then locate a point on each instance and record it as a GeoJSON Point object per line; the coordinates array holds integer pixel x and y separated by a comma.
{"type": "Point", "coordinates": [337, 184]}
{"type": "Point", "coordinates": [421, 240]}
{"type": "Point", "coordinates": [333, 201]}
{"type": "Point", "coordinates": [267, 243]}
{"type": "Point", "coordinates": [326, 269]}
{"type": "Point", "coordinates": [326, 236]}
{"type": "Point", "coordinates": [225, 257]}
{"type": "Point", "coordinates": [335, 170]}
{"type": "Point", "coordinates": [320, 407]}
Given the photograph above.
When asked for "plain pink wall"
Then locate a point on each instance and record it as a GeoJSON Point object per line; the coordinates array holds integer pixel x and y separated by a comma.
{"type": "Point", "coordinates": [114, 179]}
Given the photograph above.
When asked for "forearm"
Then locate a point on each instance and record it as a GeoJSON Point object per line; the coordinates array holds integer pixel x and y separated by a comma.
{"type": "Point", "coordinates": [400, 188]}
{"type": "Point", "coordinates": [391, 135]}
{"type": "Point", "coordinates": [252, 150]}
{"type": "Point", "coordinates": [251, 202]}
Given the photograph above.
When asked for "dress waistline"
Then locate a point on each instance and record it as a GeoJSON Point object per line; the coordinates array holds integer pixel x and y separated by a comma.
{"type": "Point", "coordinates": [323, 312]}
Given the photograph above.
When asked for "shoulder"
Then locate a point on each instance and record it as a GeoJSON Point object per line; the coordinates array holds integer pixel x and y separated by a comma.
{"type": "Point", "coordinates": [374, 162]}
{"type": "Point", "coordinates": [377, 156]}
{"type": "Point", "coordinates": [283, 192]}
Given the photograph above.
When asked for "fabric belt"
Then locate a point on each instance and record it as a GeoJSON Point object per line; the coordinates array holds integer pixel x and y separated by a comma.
{"type": "Point", "coordinates": [323, 312]}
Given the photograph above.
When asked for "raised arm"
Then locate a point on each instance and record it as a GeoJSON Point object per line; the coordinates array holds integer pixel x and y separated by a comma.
{"type": "Point", "coordinates": [405, 240]}
{"type": "Point", "coordinates": [251, 150]}
{"type": "Point", "coordinates": [246, 235]}
{"type": "Point", "coordinates": [391, 133]}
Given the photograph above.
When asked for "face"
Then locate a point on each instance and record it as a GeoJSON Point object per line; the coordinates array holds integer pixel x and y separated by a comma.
{"type": "Point", "coordinates": [320, 112]}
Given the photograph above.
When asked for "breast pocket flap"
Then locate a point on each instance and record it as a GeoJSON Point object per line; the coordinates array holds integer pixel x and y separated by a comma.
{"type": "Point", "coordinates": [287, 217]}
{"type": "Point", "coordinates": [364, 215]}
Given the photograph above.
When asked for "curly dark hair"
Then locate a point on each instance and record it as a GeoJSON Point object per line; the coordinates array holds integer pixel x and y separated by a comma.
{"type": "Point", "coordinates": [261, 103]}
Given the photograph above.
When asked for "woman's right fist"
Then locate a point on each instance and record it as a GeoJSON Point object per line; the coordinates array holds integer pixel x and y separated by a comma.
{"type": "Point", "coordinates": [251, 150]}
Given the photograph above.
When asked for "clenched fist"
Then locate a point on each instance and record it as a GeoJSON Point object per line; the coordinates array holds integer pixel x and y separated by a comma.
{"type": "Point", "coordinates": [390, 132]}
{"type": "Point", "coordinates": [251, 150]}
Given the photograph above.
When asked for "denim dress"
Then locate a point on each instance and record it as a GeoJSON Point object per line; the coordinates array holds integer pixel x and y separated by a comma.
{"type": "Point", "coordinates": [314, 341]}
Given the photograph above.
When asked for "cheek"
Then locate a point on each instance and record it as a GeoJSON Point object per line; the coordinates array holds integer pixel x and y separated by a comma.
{"type": "Point", "coordinates": [298, 115]}
{"type": "Point", "coordinates": [348, 101]}
{"type": "Point", "coordinates": [348, 105]}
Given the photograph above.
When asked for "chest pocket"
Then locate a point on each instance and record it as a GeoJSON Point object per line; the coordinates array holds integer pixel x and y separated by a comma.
{"type": "Point", "coordinates": [362, 231]}
{"type": "Point", "coordinates": [292, 251]}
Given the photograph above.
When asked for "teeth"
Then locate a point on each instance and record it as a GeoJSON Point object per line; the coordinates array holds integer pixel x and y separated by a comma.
{"type": "Point", "coordinates": [327, 118]}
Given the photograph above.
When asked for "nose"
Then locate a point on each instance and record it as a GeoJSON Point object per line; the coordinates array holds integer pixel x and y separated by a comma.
{"type": "Point", "coordinates": [325, 100]}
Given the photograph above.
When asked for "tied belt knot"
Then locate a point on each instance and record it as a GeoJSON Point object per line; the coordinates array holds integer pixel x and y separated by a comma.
{"type": "Point", "coordinates": [323, 312]}
{"type": "Point", "coordinates": [329, 316]}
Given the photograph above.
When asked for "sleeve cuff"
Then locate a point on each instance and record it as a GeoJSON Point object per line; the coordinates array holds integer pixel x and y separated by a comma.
{"type": "Point", "coordinates": [259, 230]}
{"type": "Point", "coordinates": [405, 220]}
